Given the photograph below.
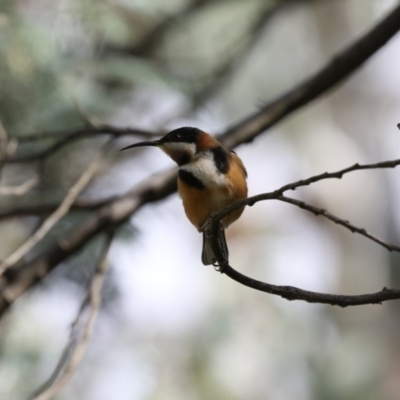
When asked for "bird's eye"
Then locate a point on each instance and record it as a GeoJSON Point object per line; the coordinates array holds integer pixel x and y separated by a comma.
{"type": "Point", "coordinates": [177, 137]}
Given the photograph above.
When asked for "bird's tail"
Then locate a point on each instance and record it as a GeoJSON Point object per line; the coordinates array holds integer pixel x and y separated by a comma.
{"type": "Point", "coordinates": [208, 256]}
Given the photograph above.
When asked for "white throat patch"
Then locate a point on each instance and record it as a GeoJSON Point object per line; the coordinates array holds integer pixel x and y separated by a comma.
{"type": "Point", "coordinates": [203, 167]}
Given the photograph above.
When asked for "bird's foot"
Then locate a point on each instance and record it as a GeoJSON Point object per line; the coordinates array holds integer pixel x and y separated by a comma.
{"type": "Point", "coordinates": [224, 255]}
{"type": "Point", "coordinates": [220, 267]}
{"type": "Point", "coordinates": [206, 227]}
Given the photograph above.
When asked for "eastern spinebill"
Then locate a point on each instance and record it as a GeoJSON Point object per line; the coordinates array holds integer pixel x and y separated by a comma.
{"type": "Point", "coordinates": [210, 178]}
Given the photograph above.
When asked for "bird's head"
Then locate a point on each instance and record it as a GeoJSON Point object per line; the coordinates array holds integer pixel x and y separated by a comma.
{"type": "Point", "coordinates": [182, 144]}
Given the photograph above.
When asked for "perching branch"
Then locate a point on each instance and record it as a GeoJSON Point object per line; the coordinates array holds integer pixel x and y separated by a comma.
{"type": "Point", "coordinates": [290, 292]}
{"type": "Point", "coordinates": [294, 293]}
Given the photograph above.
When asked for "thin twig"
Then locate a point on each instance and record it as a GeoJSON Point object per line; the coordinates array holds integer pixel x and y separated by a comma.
{"type": "Point", "coordinates": [20, 190]}
{"type": "Point", "coordinates": [354, 229]}
{"type": "Point", "coordinates": [75, 350]}
{"type": "Point", "coordinates": [339, 174]}
{"type": "Point", "coordinates": [62, 210]}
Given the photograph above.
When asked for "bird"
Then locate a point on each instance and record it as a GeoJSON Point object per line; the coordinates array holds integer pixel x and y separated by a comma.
{"type": "Point", "coordinates": [210, 178]}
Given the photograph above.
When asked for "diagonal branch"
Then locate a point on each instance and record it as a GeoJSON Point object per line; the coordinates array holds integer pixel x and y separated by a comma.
{"type": "Point", "coordinates": [341, 66]}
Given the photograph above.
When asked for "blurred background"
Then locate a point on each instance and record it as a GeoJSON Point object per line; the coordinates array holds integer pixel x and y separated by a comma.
{"type": "Point", "coordinates": [171, 328]}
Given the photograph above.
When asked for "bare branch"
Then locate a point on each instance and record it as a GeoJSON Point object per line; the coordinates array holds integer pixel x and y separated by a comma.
{"type": "Point", "coordinates": [77, 346]}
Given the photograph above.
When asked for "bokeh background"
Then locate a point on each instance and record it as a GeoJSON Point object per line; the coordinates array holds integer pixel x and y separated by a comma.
{"type": "Point", "coordinates": [171, 328]}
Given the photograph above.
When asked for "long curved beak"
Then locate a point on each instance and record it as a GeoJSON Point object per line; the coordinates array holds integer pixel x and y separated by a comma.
{"type": "Point", "coordinates": [154, 143]}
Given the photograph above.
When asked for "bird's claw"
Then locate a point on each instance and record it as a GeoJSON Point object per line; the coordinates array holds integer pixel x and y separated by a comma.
{"type": "Point", "coordinates": [206, 227]}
